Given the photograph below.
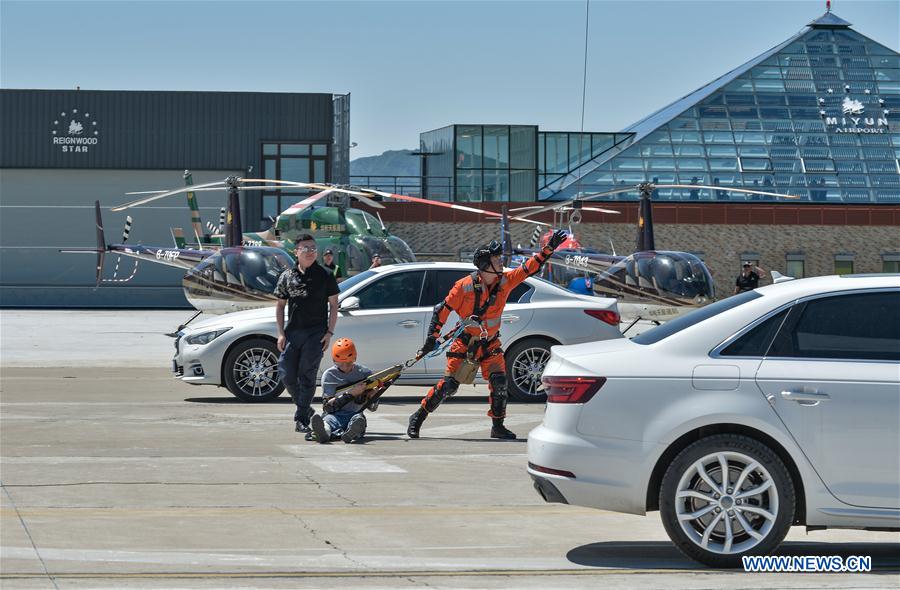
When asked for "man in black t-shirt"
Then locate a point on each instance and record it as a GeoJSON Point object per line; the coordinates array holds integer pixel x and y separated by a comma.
{"type": "Point", "coordinates": [748, 279]}
{"type": "Point", "coordinates": [310, 293]}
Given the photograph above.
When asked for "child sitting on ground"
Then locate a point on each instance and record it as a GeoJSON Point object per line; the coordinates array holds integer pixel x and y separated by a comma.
{"type": "Point", "coordinates": [343, 413]}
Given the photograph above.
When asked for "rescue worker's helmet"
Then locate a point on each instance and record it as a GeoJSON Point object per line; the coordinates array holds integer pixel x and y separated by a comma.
{"type": "Point", "coordinates": [343, 351]}
{"type": "Point", "coordinates": [482, 257]}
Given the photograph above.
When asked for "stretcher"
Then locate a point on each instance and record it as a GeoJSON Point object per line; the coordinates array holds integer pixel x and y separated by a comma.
{"type": "Point", "coordinates": [379, 382]}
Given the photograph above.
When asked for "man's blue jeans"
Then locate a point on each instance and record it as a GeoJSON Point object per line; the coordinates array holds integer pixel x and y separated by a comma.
{"type": "Point", "coordinates": [299, 364]}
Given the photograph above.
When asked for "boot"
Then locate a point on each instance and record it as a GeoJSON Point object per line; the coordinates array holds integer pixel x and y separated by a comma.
{"type": "Point", "coordinates": [415, 422]}
{"type": "Point", "coordinates": [498, 430]}
{"type": "Point", "coordinates": [321, 430]}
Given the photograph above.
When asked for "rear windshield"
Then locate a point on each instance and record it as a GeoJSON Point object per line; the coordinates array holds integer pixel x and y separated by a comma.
{"type": "Point", "coordinates": [695, 317]}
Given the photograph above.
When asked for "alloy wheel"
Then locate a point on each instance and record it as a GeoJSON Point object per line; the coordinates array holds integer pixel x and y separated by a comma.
{"type": "Point", "coordinates": [726, 502]}
{"type": "Point", "coordinates": [255, 372]}
{"type": "Point", "coordinates": [527, 368]}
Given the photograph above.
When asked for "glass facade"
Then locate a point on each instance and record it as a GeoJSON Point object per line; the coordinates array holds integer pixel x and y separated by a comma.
{"type": "Point", "coordinates": [297, 162]}
{"type": "Point", "coordinates": [816, 118]}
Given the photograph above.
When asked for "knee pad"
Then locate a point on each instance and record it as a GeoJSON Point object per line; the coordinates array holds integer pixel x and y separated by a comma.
{"type": "Point", "coordinates": [445, 388]}
{"type": "Point", "coordinates": [499, 385]}
{"type": "Point", "coordinates": [499, 394]}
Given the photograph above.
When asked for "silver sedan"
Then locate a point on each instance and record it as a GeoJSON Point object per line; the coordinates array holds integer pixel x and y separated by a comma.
{"type": "Point", "coordinates": [772, 408]}
{"type": "Point", "coordinates": [386, 311]}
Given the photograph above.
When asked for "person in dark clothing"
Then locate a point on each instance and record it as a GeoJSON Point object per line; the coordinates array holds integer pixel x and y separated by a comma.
{"type": "Point", "coordinates": [748, 279]}
{"type": "Point", "coordinates": [310, 293]}
{"type": "Point", "coordinates": [328, 263]}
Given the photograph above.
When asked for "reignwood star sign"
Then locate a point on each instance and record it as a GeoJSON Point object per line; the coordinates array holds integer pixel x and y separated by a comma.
{"type": "Point", "coordinates": [70, 135]}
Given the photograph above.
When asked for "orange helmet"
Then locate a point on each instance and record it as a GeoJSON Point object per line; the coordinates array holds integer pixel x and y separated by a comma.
{"type": "Point", "coordinates": [343, 351]}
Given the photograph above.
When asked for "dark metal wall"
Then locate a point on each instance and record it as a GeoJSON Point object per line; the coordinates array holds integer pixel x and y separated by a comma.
{"type": "Point", "coordinates": [154, 130]}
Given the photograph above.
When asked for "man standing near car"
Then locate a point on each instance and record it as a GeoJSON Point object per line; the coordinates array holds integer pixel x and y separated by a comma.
{"type": "Point", "coordinates": [310, 293]}
{"type": "Point", "coordinates": [480, 298]}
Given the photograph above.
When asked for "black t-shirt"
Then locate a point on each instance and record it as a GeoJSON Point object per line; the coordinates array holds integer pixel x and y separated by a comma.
{"type": "Point", "coordinates": [307, 295]}
{"type": "Point", "coordinates": [747, 283]}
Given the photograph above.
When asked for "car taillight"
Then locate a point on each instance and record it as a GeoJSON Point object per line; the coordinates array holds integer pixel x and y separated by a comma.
{"type": "Point", "coordinates": [571, 390]}
{"type": "Point", "coordinates": [604, 315]}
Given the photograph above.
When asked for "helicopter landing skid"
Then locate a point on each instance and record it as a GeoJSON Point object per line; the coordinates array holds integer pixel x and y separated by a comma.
{"type": "Point", "coordinates": [174, 333]}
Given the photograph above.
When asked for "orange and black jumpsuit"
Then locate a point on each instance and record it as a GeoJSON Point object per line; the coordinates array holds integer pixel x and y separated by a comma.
{"type": "Point", "coordinates": [479, 344]}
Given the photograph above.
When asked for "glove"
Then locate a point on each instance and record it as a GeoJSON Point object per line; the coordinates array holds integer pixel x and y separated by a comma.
{"type": "Point", "coordinates": [342, 400]}
{"type": "Point", "coordinates": [430, 345]}
{"type": "Point", "coordinates": [558, 237]}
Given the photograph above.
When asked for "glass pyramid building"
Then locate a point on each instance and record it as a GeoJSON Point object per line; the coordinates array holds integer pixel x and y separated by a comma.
{"type": "Point", "coordinates": [817, 116]}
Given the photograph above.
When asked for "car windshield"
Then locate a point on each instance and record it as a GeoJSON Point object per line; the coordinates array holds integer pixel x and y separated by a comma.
{"type": "Point", "coordinates": [346, 284]}
{"type": "Point", "coordinates": [689, 319]}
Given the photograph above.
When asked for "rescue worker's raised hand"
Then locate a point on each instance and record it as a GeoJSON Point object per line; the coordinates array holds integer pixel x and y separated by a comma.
{"type": "Point", "coordinates": [430, 345]}
{"type": "Point", "coordinates": [558, 237]}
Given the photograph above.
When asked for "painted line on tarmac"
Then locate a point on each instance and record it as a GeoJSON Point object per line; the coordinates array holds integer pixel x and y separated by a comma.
{"type": "Point", "coordinates": [62, 460]}
{"type": "Point", "coordinates": [341, 460]}
{"type": "Point", "coordinates": [586, 571]}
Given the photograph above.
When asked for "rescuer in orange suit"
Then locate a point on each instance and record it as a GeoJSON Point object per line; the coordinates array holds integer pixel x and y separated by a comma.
{"type": "Point", "coordinates": [479, 297]}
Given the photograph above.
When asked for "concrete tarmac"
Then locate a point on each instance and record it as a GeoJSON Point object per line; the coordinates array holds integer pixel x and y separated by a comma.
{"type": "Point", "coordinates": [115, 475]}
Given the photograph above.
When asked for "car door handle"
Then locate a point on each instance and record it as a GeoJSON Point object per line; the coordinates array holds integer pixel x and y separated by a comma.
{"type": "Point", "coordinates": [509, 318]}
{"type": "Point", "coordinates": [806, 398]}
{"type": "Point", "coordinates": [408, 323]}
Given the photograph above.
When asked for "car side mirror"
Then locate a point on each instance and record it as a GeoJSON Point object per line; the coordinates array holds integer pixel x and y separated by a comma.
{"type": "Point", "coordinates": [349, 304]}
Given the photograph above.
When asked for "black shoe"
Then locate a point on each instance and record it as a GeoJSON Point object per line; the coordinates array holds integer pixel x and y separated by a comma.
{"type": "Point", "coordinates": [301, 427]}
{"type": "Point", "coordinates": [354, 432]}
{"type": "Point", "coordinates": [319, 430]}
{"type": "Point", "coordinates": [415, 422]}
{"type": "Point", "coordinates": [498, 430]}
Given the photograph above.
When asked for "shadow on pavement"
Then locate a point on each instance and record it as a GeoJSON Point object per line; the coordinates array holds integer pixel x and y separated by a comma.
{"type": "Point", "coordinates": [664, 555]}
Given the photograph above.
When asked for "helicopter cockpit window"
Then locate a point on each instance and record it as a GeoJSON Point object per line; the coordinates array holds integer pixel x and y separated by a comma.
{"type": "Point", "coordinates": [401, 289]}
{"type": "Point", "coordinates": [680, 275]}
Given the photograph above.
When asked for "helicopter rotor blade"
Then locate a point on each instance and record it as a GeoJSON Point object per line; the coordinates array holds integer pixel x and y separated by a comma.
{"type": "Point", "coordinates": [307, 202]}
{"type": "Point", "coordinates": [447, 205]}
{"type": "Point", "coordinates": [560, 204]}
{"type": "Point", "coordinates": [218, 185]}
{"type": "Point", "coordinates": [727, 189]}
{"type": "Point", "coordinates": [156, 196]}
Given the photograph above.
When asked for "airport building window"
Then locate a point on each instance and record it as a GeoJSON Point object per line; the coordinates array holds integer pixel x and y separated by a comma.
{"type": "Point", "coordinates": [297, 162]}
{"type": "Point", "coordinates": [795, 266]}
{"type": "Point", "coordinates": [843, 264]}
{"type": "Point", "coordinates": [890, 262]}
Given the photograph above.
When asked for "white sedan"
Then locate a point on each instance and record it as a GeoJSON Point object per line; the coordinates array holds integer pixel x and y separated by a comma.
{"type": "Point", "coordinates": [772, 408]}
{"type": "Point", "coordinates": [386, 311]}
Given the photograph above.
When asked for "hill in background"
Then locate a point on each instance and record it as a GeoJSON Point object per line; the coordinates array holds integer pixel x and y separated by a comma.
{"type": "Point", "coordinates": [390, 163]}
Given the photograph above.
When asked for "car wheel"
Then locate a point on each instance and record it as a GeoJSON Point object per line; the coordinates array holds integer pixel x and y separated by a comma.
{"type": "Point", "coordinates": [525, 362]}
{"type": "Point", "coordinates": [726, 496]}
{"type": "Point", "coordinates": [251, 371]}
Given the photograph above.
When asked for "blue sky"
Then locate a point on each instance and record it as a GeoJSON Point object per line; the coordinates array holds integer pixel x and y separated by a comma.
{"type": "Point", "coordinates": [414, 66]}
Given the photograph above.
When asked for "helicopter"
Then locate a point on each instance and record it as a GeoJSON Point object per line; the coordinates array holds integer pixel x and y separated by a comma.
{"type": "Point", "coordinates": [233, 271]}
{"type": "Point", "coordinates": [650, 284]}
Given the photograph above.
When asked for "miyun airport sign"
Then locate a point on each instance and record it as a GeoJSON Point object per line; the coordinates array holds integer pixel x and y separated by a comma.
{"type": "Point", "coordinates": [853, 119]}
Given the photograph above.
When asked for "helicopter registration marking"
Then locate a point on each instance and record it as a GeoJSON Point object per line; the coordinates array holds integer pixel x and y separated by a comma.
{"type": "Point", "coordinates": [253, 242]}
{"type": "Point", "coordinates": [577, 260]}
{"type": "Point", "coordinates": [663, 311]}
{"type": "Point", "coordinates": [167, 254]}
